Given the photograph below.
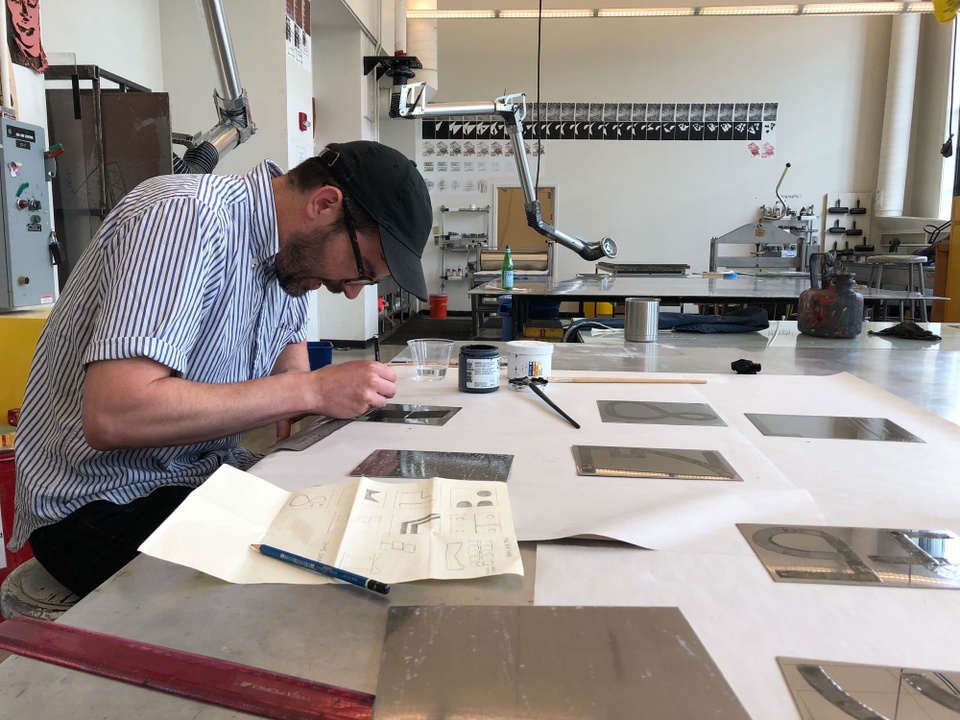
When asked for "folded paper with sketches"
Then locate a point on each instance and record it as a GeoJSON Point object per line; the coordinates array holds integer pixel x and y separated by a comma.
{"type": "Point", "coordinates": [392, 532]}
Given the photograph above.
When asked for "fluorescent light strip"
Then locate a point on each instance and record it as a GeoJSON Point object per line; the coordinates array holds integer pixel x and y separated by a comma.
{"type": "Point", "coordinates": [646, 12]}
{"type": "Point", "coordinates": [546, 13]}
{"type": "Point", "coordinates": [862, 8]}
{"type": "Point", "coordinates": [867, 8]}
{"type": "Point", "coordinates": [751, 10]}
{"type": "Point", "coordinates": [450, 14]}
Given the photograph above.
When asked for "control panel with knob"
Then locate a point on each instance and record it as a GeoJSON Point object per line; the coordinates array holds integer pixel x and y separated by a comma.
{"type": "Point", "coordinates": [27, 275]}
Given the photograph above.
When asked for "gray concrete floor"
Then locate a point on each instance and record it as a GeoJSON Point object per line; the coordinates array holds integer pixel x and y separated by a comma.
{"type": "Point", "coordinates": [260, 439]}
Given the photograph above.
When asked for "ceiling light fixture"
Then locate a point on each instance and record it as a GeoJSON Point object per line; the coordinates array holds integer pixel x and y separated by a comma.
{"type": "Point", "coordinates": [645, 12]}
{"type": "Point", "coordinates": [851, 8]}
{"type": "Point", "coordinates": [751, 10]}
{"type": "Point", "coordinates": [865, 8]}
{"type": "Point", "coordinates": [450, 14]}
{"type": "Point", "coordinates": [547, 13]}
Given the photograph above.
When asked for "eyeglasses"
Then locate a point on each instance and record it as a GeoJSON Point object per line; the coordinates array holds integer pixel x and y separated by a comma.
{"type": "Point", "coordinates": [363, 278]}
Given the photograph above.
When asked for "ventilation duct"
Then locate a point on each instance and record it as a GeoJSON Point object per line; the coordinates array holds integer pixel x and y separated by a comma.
{"type": "Point", "coordinates": [898, 116]}
{"type": "Point", "coordinates": [422, 43]}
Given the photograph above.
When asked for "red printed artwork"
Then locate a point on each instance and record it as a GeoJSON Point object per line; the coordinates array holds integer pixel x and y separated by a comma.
{"type": "Point", "coordinates": [24, 34]}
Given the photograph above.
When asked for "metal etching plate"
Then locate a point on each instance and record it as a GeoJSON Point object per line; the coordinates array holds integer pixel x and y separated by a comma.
{"type": "Point", "coordinates": [827, 427]}
{"type": "Point", "coordinates": [658, 413]}
{"type": "Point", "coordinates": [546, 663]}
{"type": "Point", "coordinates": [674, 464]}
{"type": "Point", "coordinates": [860, 556]}
{"type": "Point", "coordinates": [840, 691]}
{"type": "Point", "coordinates": [423, 464]}
{"type": "Point", "coordinates": [412, 414]}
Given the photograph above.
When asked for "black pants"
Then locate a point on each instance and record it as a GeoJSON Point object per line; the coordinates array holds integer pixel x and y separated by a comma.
{"type": "Point", "coordinates": [88, 546]}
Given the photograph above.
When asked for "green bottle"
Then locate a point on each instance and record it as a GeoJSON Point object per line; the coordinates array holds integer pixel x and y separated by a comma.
{"type": "Point", "coordinates": [506, 271]}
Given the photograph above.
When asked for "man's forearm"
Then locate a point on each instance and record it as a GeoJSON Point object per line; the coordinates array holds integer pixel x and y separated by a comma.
{"type": "Point", "coordinates": [137, 402]}
{"type": "Point", "coordinates": [173, 411]}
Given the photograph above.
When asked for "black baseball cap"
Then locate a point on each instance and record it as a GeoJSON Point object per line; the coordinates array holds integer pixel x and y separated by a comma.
{"type": "Point", "coordinates": [390, 189]}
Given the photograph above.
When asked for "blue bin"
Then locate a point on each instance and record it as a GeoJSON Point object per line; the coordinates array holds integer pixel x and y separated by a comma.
{"type": "Point", "coordinates": [503, 310]}
{"type": "Point", "coordinates": [321, 354]}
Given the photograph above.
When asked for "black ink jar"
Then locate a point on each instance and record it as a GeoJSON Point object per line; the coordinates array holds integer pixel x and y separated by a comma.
{"type": "Point", "coordinates": [479, 369]}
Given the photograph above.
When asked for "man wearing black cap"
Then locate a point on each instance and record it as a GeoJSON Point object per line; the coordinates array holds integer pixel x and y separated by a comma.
{"type": "Point", "coordinates": [183, 325]}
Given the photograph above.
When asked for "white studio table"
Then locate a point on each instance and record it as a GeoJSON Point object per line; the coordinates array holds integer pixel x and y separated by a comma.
{"type": "Point", "coordinates": [699, 562]}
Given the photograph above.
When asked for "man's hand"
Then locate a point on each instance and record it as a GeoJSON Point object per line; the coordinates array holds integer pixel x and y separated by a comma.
{"type": "Point", "coordinates": [345, 390]}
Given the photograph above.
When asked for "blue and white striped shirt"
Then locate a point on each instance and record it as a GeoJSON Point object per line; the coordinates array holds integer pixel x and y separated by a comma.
{"type": "Point", "coordinates": [181, 272]}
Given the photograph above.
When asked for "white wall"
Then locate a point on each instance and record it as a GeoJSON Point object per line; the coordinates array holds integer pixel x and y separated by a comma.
{"type": "Point", "coordinates": [338, 82]}
{"type": "Point", "coordinates": [375, 15]}
{"type": "Point", "coordinates": [118, 35]}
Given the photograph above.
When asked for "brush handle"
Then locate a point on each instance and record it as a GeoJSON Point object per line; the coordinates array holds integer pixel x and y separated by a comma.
{"type": "Point", "coordinates": [651, 381]}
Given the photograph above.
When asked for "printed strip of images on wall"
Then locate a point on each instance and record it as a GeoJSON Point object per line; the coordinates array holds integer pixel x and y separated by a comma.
{"type": "Point", "coordinates": [754, 123]}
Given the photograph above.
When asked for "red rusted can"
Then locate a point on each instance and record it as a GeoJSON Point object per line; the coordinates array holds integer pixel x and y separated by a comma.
{"type": "Point", "coordinates": [831, 308]}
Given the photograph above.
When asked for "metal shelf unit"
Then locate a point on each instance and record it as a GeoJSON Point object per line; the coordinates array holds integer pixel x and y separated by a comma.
{"type": "Point", "coordinates": [467, 237]}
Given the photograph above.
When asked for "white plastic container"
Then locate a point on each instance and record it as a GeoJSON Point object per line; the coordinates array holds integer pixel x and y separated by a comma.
{"type": "Point", "coordinates": [528, 358]}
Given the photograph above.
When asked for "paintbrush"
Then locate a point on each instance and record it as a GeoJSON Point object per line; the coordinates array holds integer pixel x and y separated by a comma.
{"type": "Point", "coordinates": [651, 380]}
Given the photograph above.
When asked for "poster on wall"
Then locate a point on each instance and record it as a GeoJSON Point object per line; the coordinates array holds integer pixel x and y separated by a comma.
{"type": "Point", "coordinates": [23, 34]}
{"type": "Point", "coordinates": [458, 154]}
{"type": "Point", "coordinates": [298, 31]}
{"type": "Point", "coordinates": [468, 165]}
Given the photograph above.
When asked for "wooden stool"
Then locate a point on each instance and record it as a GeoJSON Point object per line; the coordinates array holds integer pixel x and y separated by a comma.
{"type": "Point", "coordinates": [30, 590]}
{"type": "Point", "coordinates": [878, 262]}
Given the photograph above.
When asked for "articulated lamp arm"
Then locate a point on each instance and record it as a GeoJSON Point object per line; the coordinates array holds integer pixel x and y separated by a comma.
{"type": "Point", "coordinates": [235, 123]}
{"type": "Point", "coordinates": [408, 100]}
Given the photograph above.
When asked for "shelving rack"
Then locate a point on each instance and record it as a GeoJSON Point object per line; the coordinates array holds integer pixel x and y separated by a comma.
{"type": "Point", "coordinates": [457, 240]}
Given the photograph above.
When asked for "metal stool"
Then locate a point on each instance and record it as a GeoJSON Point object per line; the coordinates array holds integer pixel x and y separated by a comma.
{"type": "Point", "coordinates": [878, 262]}
{"type": "Point", "coordinates": [30, 590]}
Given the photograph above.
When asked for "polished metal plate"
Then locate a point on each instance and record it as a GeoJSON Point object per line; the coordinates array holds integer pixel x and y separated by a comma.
{"type": "Point", "coordinates": [547, 663]}
{"type": "Point", "coordinates": [857, 556]}
{"type": "Point", "coordinates": [652, 463]}
{"type": "Point", "coordinates": [422, 464]}
{"type": "Point", "coordinates": [658, 413]}
{"type": "Point", "coordinates": [314, 432]}
{"type": "Point", "coordinates": [412, 414]}
{"type": "Point", "coordinates": [827, 427]}
{"type": "Point", "coordinates": [840, 691]}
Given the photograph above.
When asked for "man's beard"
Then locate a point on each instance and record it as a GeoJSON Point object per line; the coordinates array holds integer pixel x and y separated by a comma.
{"type": "Point", "coordinates": [302, 250]}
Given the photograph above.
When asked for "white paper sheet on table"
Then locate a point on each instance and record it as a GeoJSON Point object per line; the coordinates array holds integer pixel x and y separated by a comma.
{"type": "Point", "coordinates": [392, 532]}
{"type": "Point", "coordinates": [673, 515]}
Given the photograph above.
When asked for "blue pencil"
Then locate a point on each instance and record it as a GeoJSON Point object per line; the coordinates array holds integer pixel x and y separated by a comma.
{"type": "Point", "coordinates": [323, 568]}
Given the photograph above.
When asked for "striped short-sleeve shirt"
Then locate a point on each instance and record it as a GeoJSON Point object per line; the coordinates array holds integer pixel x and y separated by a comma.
{"type": "Point", "coordinates": [182, 271]}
